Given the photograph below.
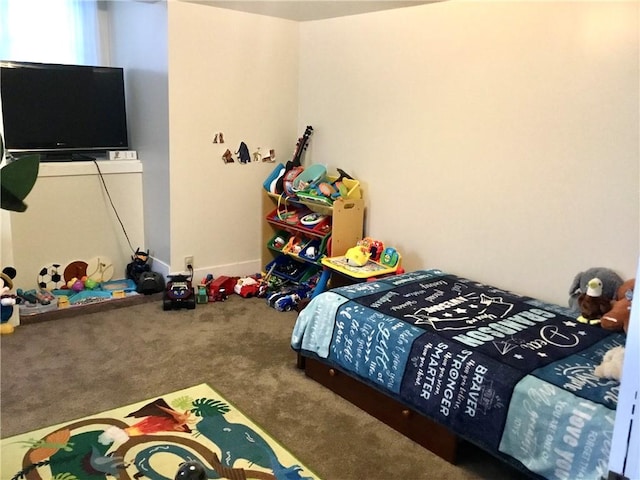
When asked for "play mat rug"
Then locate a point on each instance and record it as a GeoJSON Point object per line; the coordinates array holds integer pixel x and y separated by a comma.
{"type": "Point", "coordinates": [149, 440]}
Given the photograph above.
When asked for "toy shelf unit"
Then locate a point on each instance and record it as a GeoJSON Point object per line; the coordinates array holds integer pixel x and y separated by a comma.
{"type": "Point", "coordinates": [297, 233]}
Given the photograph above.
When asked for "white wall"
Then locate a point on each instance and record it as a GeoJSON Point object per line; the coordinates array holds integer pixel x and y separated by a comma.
{"type": "Point", "coordinates": [138, 40]}
{"type": "Point", "coordinates": [69, 217]}
{"type": "Point", "coordinates": [496, 140]}
{"type": "Point", "coordinates": [235, 73]}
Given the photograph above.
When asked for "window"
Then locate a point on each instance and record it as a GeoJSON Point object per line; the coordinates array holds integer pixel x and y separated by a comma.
{"type": "Point", "coordinates": [54, 31]}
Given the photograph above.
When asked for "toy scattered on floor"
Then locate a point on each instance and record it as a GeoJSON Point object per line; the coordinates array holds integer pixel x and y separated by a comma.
{"type": "Point", "coordinates": [150, 282]}
{"type": "Point", "coordinates": [139, 264]}
{"type": "Point", "coordinates": [593, 304]}
{"type": "Point", "coordinates": [611, 365]}
{"type": "Point", "coordinates": [76, 284]}
{"type": "Point", "coordinates": [7, 300]}
{"type": "Point", "coordinates": [49, 277]}
{"type": "Point", "coordinates": [201, 296]}
{"type": "Point", "coordinates": [179, 293]}
{"type": "Point", "coordinates": [63, 301]}
{"type": "Point", "coordinates": [288, 298]}
{"type": "Point", "coordinates": [611, 281]}
{"type": "Point", "coordinates": [33, 296]}
{"type": "Point", "coordinates": [617, 318]}
{"type": "Point", "coordinates": [247, 287]}
{"type": "Point", "coordinates": [220, 288]}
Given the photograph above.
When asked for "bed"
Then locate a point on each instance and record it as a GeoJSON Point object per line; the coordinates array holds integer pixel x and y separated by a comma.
{"type": "Point", "coordinates": [442, 359]}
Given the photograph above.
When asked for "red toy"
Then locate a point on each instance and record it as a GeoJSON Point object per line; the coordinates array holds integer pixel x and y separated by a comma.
{"type": "Point", "coordinates": [247, 287]}
{"type": "Point", "coordinates": [221, 288]}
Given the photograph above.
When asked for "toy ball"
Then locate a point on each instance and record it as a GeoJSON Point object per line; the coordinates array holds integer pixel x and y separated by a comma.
{"type": "Point", "coordinates": [311, 252]}
{"type": "Point", "coordinates": [90, 284]}
{"type": "Point", "coordinates": [77, 286]}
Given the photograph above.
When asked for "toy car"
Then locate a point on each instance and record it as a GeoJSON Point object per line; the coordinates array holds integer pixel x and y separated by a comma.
{"type": "Point", "coordinates": [247, 287]}
{"type": "Point", "coordinates": [179, 293]}
{"type": "Point", "coordinates": [288, 299]}
{"type": "Point", "coordinates": [221, 287]}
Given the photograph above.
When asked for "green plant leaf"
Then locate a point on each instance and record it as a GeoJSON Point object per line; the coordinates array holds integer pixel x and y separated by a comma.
{"type": "Point", "coordinates": [17, 179]}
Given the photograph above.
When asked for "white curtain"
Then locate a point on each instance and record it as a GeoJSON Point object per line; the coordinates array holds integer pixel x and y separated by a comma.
{"type": "Point", "coordinates": [53, 31]}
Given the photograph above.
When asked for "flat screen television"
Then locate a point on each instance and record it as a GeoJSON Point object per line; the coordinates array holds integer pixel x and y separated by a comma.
{"type": "Point", "coordinates": [62, 111]}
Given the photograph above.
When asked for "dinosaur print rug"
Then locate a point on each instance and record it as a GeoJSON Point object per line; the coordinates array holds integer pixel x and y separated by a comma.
{"type": "Point", "coordinates": [149, 440]}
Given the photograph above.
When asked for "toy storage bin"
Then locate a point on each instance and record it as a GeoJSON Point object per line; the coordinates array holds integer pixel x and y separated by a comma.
{"type": "Point", "coordinates": [288, 268]}
{"type": "Point", "coordinates": [280, 234]}
{"type": "Point", "coordinates": [353, 192]}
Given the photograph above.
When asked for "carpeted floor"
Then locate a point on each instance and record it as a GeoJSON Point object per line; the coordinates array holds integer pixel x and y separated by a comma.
{"type": "Point", "coordinates": [71, 367]}
{"type": "Point", "coordinates": [152, 439]}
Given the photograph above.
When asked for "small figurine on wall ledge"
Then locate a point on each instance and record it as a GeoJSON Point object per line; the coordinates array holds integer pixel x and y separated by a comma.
{"type": "Point", "coordinates": [7, 300]}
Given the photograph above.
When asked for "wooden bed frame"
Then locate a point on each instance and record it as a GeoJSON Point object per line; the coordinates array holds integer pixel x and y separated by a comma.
{"type": "Point", "coordinates": [431, 435]}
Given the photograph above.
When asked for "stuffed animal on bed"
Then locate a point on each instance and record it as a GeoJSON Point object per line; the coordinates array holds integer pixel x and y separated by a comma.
{"type": "Point", "coordinates": [617, 318]}
{"type": "Point", "coordinates": [611, 365]}
{"type": "Point", "coordinates": [611, 281]}
{"type": "Point", "coordinates": [593, 304]}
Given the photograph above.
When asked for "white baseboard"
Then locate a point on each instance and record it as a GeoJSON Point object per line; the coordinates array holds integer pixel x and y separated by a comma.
{"type": "Point", "coordinates": [238, 269]}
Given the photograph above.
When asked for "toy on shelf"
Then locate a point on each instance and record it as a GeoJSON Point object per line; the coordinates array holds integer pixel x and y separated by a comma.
{"type": "Point", "coordinates": [7, 300]}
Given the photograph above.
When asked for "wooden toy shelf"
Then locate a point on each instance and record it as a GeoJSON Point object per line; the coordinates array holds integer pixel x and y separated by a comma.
{"type": "Point", "coordinates": [341, 230]}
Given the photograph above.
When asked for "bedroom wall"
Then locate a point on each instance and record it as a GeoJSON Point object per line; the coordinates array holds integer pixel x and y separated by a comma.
{"type": "Point", "coordinates": [235, 73]}
{"type": "Point", "coordinates": [495, 140]}
{"type": "Point", "coordinates": [138, 43]}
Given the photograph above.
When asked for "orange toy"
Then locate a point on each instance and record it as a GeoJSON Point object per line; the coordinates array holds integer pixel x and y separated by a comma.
{"type": "Point", "coordinates": [618, 317]}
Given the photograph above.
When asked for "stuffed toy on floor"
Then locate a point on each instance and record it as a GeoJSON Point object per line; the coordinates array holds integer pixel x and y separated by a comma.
{"type": "Point", "coordinates": [611, 365]}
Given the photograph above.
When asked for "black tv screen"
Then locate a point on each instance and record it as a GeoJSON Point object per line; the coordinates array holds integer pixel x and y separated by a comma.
{"type": "Point", "coordinates": [58, 110]}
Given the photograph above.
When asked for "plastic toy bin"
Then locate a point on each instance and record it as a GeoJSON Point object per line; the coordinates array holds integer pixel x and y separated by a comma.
{"type": "Point", "coordinates": [288, 268]}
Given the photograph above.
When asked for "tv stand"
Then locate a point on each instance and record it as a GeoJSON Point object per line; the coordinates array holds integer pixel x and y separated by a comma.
{"type": "Point", "coordinates": [81, 157]}
{"type": "Point", "coordinates": [66, 157]}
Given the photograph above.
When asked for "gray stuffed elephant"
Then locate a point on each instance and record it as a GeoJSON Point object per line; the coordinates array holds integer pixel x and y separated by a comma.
{"type": "Point", "coordinates": [611, 281]}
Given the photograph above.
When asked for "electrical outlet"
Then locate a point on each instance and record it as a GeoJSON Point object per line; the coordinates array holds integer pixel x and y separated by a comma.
{"type": "Point", "coordinates": [188, 262]}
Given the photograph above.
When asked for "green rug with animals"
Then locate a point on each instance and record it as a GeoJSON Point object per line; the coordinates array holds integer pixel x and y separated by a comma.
{"type": "Point", "coordinates": [150, 440]}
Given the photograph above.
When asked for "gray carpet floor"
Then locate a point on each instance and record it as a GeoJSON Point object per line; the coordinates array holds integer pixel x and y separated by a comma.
{"type": "Point", "coordinates": [72, 366]}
